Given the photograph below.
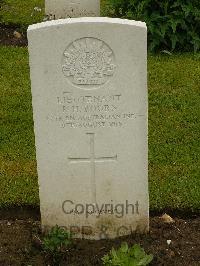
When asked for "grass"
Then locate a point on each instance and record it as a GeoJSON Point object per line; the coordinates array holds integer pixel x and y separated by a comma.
{"type": "Point", "coordinates": [174, 131]}
{"type": "Point", "coordinates": [21, 12]}
{"type": "Point", "coordinates": [18, 180]}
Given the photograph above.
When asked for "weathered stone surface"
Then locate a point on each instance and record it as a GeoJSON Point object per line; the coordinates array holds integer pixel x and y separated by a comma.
{"type": "Point", "coordinates": [56, 9]}
{"type": "Point", "coordinates": [89, 88]}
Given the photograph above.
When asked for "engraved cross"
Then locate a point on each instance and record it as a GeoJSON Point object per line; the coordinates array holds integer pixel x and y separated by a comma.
{"type": "Point", "coordinates": [93, 160]}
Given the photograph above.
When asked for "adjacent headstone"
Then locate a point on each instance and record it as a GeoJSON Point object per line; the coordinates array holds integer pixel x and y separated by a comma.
{"type": "Point", "coordinates": [56, 9]}
{"type": "Point", "coordinates": [89, 89]}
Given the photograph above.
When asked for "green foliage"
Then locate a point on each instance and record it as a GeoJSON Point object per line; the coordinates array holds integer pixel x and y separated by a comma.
{"type": "Point", "coordinates": [56, 242]}
{"type": "Point", "coordinates": [172, 24]}
{"type": "Point", "coordinates": [125, 256]}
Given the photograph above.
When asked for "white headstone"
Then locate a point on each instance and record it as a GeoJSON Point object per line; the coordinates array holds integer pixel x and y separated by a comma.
{"type": "Point", "coordinates": [72, 8]}
{"type": "Point", "coordinates": [89, 89]}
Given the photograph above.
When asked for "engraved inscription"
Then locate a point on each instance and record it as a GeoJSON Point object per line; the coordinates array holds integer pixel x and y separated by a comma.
{"type": "Point", "coordinates": [92, 111]}
{"type": "Point", "coordinates": [75, 9]}
{"type": "Point", "coordinates": [88, 62]}
{"type": "Point", "coordinates": [93, 160]}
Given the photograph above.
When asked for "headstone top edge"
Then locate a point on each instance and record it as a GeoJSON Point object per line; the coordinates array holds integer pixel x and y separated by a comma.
{"type": "Point", "coordinates": [86, 20]}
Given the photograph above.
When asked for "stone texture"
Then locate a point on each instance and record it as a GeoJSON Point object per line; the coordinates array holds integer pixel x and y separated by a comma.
{"type": "Point", "coordinates": [89, 89]}
{"type": "Point", "coordinates": [56, 9]}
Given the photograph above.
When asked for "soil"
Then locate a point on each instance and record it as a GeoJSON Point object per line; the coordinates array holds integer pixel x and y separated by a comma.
{"type": "Point", "coordinates": [20, 242]}
{"type": "Point", "coordinates": [7, 36]}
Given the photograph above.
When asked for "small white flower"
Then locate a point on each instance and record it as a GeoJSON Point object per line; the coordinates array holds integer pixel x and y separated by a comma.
{"type": "Point", "coordinates": [38, 9]}
{"type": "Point", "coordinates": [169, 242]}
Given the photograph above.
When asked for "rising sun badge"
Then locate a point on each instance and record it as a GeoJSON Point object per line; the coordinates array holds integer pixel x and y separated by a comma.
{"type": "Point", "coordinates": [88, 61]}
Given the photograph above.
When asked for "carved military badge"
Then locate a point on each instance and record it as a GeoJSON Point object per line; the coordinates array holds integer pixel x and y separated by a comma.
{"type": "Point", "coordinates": [88, 61]}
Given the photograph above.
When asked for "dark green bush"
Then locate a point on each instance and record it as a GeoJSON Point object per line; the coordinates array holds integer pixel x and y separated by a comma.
{"type": "Point", "coordinates": [172, 24]}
